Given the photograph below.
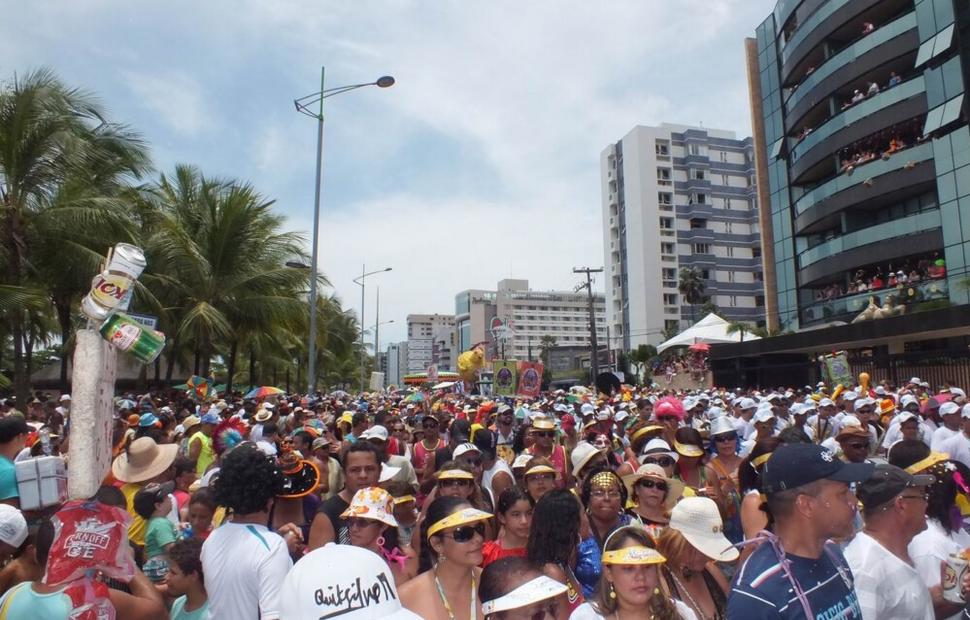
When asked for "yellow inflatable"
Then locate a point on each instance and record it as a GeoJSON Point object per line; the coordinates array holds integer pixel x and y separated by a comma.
{"type": "Point", "coordinates": [470, 362]}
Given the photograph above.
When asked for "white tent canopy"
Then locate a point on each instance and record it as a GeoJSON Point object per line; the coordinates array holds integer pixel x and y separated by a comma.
{"type": "Point", "coordinates": [712, 329]}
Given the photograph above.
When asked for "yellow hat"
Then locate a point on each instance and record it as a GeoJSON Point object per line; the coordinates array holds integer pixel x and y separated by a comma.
{"type": "Point", "coordinates": [455, 474]}
{"type": "Point", "coordinates": [688, 450]}
{"type": "Point", "coordinates": [462, 517]}
{"type": "Point", "coordinates": [635, 555]}
{"type": "Point", "coordinates": [540, 469]}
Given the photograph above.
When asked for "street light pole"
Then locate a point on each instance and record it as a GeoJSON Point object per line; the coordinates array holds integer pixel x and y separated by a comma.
{"type": "Point", "coordinates": [594, 361]}
{"type": "Point", "coordinates": [301, 106]}
{"type": "Point", "coordinates": [363, 348]}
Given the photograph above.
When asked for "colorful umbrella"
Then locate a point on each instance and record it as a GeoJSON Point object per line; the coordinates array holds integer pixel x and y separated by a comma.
{"type": "Point", "coordinates": [700, 346]}
{"type": "Point", "coordinates": [417, 397]}
{"type": "Point", "coordinates": [126, 403]}
{"type": "Point", "coordinates": [264, 392]}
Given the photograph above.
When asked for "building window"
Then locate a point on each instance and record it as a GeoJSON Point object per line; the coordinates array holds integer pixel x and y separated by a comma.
{"type": "Point", "coordinates": [730, 276]}
{"type": "Point", "coordinates": [695, 149]}
{"type": "Point", "coordinates": [727, 227]}
{"type": "Point", "coordinates": [730, 251]}
{"type": "Point", "coordinates": [666, 248]}
{"type": "Point", "coordinates": [723, 155]}
{"type": "Point", "coordinates": [701, 248]}
{"type": "Point", "coordinates": [698, 199]}
{"type": "Point", "coordinates": [665, 198]}
{"type": "Point", "coordinates": [756, 252]}
{"type": "Point", "coordinates": [663, 147]}
{"type": "Point", "coordinates": [670, 325]}
{"type": "Point", "coordinates": [663, 174]}
{"type": "Point", "coordinates": [698, 222]}
{"type": "Point", "coordinates": [669, 274]}
{"type": "Point", "coordinates": [734, 301]}
{"type": "Point", "coordinates": [670, 299]}
{"type": "Point", "coordinates": [706, 274]}
{"type": "Point", "coordinates": [759, 301]}
{"type": "Point", "coordinates": [666, 223]}
{"type": "Point", "coordinates": [698, 174]}
{"type": "Point", "coordinates": [724, 180]}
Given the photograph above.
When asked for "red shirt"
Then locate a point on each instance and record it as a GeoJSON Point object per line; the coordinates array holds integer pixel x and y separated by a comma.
{"type": "Point", "coordinates": [493, 550]}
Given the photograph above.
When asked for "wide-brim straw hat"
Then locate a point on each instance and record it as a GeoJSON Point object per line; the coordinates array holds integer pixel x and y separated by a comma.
{"type": "Point", "coordinates": [143, 460]}
{"type": "Point", "coordinates": [675, 488]}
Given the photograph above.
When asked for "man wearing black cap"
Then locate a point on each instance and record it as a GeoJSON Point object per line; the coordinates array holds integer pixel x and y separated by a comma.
{"type": "Point", "coordinates": [887, 584]}
{"type": "Point", "coordinates": [796, 572]}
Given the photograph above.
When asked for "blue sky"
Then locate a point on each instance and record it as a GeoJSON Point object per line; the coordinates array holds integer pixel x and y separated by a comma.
{"type": "Point", "coordinates": [480, 163]}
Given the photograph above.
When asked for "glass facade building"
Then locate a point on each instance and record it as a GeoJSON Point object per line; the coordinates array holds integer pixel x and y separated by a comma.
{"type": "Point", "coordinates": [864, 155]}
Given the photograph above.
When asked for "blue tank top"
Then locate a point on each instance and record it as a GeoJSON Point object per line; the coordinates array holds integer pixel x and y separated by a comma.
{"type": "Point", "coordinates": [22, 602]}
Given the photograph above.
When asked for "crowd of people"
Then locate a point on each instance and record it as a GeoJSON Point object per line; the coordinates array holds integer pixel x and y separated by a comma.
{"type": "Point", "coordinates": [818, 502]}
{"type": "Point", "coordinates": [887, 277]}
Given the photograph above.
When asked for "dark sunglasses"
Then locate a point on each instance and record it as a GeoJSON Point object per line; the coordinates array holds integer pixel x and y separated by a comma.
{"type": "Point", "coordinates": [465, 533]}
{"type": "Point", "coordinates": [663, 461]}
{"type": "Point", "coordinates": [549, 434]}
{"type": "Point", "coordinates": [455, 482]}
{"type": "Point", "coordinates": [858, 445]}
{"type": "Point", "coordinates": [360, 523]}
{"type": "Point", "coordinates": [726, 438]}
{"type": "Point", "coordinates": [651, 484]}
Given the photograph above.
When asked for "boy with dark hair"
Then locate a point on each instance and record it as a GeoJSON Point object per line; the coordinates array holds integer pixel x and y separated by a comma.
{"type": "Point", "coordinates": [185, 581]}
{"type": "Point", "coordinates": [153, 504]}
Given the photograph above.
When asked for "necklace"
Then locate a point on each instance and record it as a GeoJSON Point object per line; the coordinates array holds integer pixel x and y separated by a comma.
{"type": "Point", "coordinates": [690, 599]}
{"type": "Point", "coordinates": [472, 608]}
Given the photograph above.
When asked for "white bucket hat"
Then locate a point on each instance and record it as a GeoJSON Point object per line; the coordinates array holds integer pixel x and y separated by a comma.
{"type": "Point", "coordinates": [699, 521]}
{"type": "Point", "coordinates": [372, 503]}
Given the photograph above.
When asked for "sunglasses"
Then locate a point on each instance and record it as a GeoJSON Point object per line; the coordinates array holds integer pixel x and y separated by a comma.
{"type": "Point", "coordinates": [726, 438]}
{"type": "Point", "coordinates": [456, 482]}
{"type": "Point", "coordinates": [605, 494]}
{"type": "Point", "coordinates": [663, 461]}
{"type": "Point", "coordinates": [358, 523]}
{"type": "Point", "coordinates": [429, 425]}
{"type": "Point", "coordinates": [653, 484]}
{"type": "Point", "coordinates": [465, 533]}
{"type": "Point", "coordinates": [858, 445]}
{"type": "Point", "coordinates": [548, 434]}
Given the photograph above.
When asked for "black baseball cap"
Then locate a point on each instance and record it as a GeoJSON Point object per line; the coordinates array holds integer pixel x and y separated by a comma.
{"type": "Point", "coordinates": [485, 441]}
{"type": "Point", "coordinates": [794, 465]}
{"type": "Point", "coordinates": [886, 482]}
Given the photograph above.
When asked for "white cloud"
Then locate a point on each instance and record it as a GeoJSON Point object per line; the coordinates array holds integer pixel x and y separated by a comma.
{"type": "Point", "coordinates": [175, 97]}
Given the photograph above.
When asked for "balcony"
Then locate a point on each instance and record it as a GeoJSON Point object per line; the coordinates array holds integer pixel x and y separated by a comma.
{"type": "Point", "coordinates": [846, 308]}
{"type": "Point", "coordinates": [855, 60]}
{"type": "Point", "coordinates": [873, 234]}
{"type": "Point", "coordinates": [884, 99]}
{"type": "Point", "coordinates": [872, 170]}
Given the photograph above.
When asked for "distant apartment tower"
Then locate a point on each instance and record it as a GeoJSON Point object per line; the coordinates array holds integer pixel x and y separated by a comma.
{"type": "Point", "coordinates": [397, 362]}
{"type": "Point", "coordinates": [563, 315]}
{"type": "Point", "coordinates": [431, 340]}
{"type": "Point", "coordinates": [675, 197]}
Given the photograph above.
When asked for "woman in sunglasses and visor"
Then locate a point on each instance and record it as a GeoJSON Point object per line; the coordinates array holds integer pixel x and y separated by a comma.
{"type": "Point", "coordinates": [448, 588]}
{"type": "Point", "coordinates": [653, 494]}
{"type": "Point", "coordinates": [631, 586]}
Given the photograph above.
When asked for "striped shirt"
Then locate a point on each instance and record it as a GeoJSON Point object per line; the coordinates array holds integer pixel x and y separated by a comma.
{"type": "Point", "coordinates": [762, 590]}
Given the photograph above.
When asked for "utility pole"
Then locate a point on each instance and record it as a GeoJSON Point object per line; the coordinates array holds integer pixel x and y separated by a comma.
{"type": "Point", "coordinates": [594, 357]}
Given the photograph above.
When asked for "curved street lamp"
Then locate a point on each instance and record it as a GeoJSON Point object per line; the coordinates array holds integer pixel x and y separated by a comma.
{"type": "Point", "coordinates": [302, 106]}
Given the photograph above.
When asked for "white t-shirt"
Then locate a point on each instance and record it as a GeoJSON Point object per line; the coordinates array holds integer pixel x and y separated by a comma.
{"type": "Point", "coordinates": [586, 612]}
{"type": "Point", "coordinates": [499, 466]}
{"type": "Point", "coordinates": [894, 434]}
{"type": "Point", "coordinates": [958, 447]}
{"type": "Point", "coordinates": [244, 566]}
{"type": "Point", "coordinates": [931, 547]}
{"type": "Point", "coordinates": [888, 588]}
{"type": "Point", "coordinates": [939, 436]}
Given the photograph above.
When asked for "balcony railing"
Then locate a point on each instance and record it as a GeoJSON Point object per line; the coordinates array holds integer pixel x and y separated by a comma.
{"type": "Point", "coordinates": [810, 24]}
{"type": "Point", "coordinates": [886, 33]}
{"type": "Point", "coordinates": [870, 170]}
{"type": "Point", "coordinates": [847, 307]}
{"type": "Point", "coordinates": [873, 234]}
{"type": "Point", "coordinates": [857, 112]}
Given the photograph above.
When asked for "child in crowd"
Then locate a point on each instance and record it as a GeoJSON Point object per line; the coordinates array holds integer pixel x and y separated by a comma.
{"type": "Point", "coordinates": [185, 581]}
{"type": "Point", "coordinates": [184, 477]}
{"type": "Point", "coordinates": [153, 504]}
{"type": "Point", "coordinates": [23, 567]}
{"type": "Point", "coordinates": [201, 510]}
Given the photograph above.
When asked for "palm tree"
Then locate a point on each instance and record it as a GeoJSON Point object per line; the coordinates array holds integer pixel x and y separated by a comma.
{"type": "Point", "coordinates": [546, 342]}
{"type": "Point", "coordinates": [739, 327]}
{"type": "Point", "coordinates": [691, 287]}
{"type": "Point", "coordinates": [642, 356]}
{"type": "Point", "coordinates": [52, 141]}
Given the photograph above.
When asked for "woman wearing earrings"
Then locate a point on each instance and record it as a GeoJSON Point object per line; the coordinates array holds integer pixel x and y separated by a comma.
{"type": "Point", "coordinates": [653, 495]}
{"type": "Point", "coordinates": [722, 476]}
{"type": "Point", "coordinates": [631, 587]}
{"type": "Point", "coordinates": [453, 532]}
{"type": "Point", "coordinates": [604, 496]}
{"type": "Point", "coordinates": [552, 542]}
{"type": "Point", "coordinates": [371, 525]}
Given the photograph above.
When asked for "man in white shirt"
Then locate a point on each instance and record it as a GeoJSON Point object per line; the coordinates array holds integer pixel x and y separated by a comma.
{"type": "Point", "coordinates": [908, 404]}
{"type": "Point", "coordinates": [951, 425]}
{"type": "Point", "coordinates": [746, 408]}
{"type": "Point", "coordinates": [244, 563]}
{"type": "Point", "coordinates": [958, 446]}
{"type": "Point", "coordinates": [823, 423]}
{"type": "Point", "coordinates": [764, 425]}
{"type": "Point", "coordinates": [886, 582]}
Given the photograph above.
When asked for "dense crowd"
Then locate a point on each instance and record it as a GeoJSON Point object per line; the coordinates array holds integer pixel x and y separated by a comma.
{"type": "Point", "coordinates": [818, 502]}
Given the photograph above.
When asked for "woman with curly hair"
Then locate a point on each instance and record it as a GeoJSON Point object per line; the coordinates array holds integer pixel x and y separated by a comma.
{"type": "Point", "coordinates": [604, 496]}
{"type": "Point", "coordinates": [244, 562]}
{"type": "Point", "coordinates": [631, 586]}
{"type": "Point", "coordinates": [553, 541]}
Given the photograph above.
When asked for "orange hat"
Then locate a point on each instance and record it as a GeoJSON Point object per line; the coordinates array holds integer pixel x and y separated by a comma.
{"type": "Point", "coordinates": [133, 420]}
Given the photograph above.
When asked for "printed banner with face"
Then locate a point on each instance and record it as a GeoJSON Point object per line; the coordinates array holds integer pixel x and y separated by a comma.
{"type": "Point", "coordinates": [530, 379]}
{"type": "Point", "coordinates": [504, 377]}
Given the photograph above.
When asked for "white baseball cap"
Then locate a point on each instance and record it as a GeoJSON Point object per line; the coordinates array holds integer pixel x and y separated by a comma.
{"type": "Point", "coordinates": [949, 408]}
{"type": "Point", "coordinates": [826, 402]}
{"type": "Point", "coordinates": [13, 526]}
{"type": "Point", "coordinates": [464, 448]}
{"type": "Point", "coordinates": [764, 413]}
{"type": "Point", "coordinates": [375, 432]}
{"type": "Point", "coordinates": [908, 399]}
{"type": "Point", "coordinates": [310, 590]}
{"type": "Point", "coordinates": [587, 409]}
{"type": "Point", "coordinates": [965, 412]}
{"type": "Point", "coordinates": [65, 397]}
{"type": "Point", "coordinates": [748, 403]}
{"type": "Point", "coordinates": [699, 521]}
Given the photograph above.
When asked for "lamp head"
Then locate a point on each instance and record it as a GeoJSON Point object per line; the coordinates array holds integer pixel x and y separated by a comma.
{"type": "Point", "coordinates": [385, 81]}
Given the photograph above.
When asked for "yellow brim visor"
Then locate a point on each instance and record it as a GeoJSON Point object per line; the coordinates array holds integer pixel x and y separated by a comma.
{"type": "Point", "coordinates": [543, 425]}
{"type": "Point", "coordinates": [930, 461]}
{"type": "Point", "coordinates": [539, 589]}
{"type": "Point", "coordinates": [643, 431]}
{"type": "Point", "coordinates": [404, 499]}
{"type": "Point", "coordinates": [688, 450]}
{"type": "Point", "coordinates": [455, 474]}
{"type": "Point", "coordinates": [540, 469]}
{"type": "Point", "coordinates": [462, 517]}
{"type": "Point", "coordinates": [760, 460]}
{"type": "Point", "coordinates": [633, 556]}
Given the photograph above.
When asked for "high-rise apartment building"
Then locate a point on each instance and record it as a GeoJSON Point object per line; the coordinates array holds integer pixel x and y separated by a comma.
{"type": "Point", "coordinates": [864, 156]}
{"type": "Point", "coordinates": [525, 316]}
{"type": "Point", "coordinates": [397, 362]}
{"type": "Point", "coordinates": [431, 340]}
{"type": "Point", "coordinates": [677, 197]}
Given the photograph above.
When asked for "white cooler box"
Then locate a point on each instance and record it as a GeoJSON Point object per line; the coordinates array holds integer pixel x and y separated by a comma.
{"type": "Point", "coordinates": [42, 482]}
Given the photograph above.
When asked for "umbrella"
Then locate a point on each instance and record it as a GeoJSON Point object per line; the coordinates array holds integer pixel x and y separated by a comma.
{"type": "Point", "coordinates": [443, 385]}
{"type": "Point", "coordinates": [417, 397]}
{"type": "Point", "coordinates": [700, 346]}
{"type": "Point", "coordinates": [126, 403]}
{"type": "Point", "coordinates": [579, 389]}
{"type": "Point", "coordinates": [264, 392]}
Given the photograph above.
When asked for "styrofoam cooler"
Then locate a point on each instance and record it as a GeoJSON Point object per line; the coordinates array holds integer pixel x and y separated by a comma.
{"type": "Point", "coordinates": [42, 482]}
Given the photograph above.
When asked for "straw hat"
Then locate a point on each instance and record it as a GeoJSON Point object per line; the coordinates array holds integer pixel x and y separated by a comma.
{"type": "Point", "coordinates": [675, 488]}
{"type": "Point", "coordinates": [144, 460]}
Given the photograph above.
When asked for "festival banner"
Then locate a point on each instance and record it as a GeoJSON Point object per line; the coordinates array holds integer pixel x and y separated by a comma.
{"type": "Point", "coordinates": [530, 379]}
{"type": "Point", "coordinates": [503, 377]}
{"type": "Point", "coordinates": [837, 369]}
